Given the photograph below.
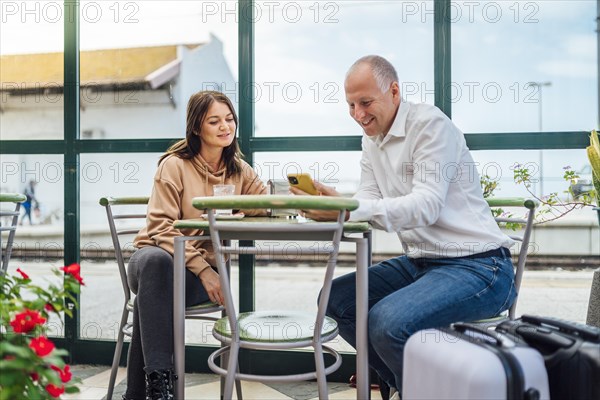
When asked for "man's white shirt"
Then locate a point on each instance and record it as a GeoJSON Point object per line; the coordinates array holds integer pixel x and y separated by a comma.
{"type": "Point", "coordinates": [421, 182]}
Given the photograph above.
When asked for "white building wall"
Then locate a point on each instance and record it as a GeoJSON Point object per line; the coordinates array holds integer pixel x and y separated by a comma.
{"type": "Point", "coordinates": [204, 68]}
{"type": "Point", "coordinates": [132, 115]}
{"type": "Point", "coordinates": [28, 118]}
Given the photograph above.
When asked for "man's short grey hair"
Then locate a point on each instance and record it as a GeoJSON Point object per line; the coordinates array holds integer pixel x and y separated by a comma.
{"type": "Point", "coordinates": [383, 71]}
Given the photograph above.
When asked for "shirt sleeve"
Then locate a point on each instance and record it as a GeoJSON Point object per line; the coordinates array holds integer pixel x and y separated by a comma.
{"type": "Point", "coordinates": [436, 152]}
{"type": "Point", "coordinates": [367, 189]}
{"type": "Point", "coordinates": [164, 207]}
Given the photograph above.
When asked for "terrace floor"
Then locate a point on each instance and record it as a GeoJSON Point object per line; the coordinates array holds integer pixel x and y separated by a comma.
{"type": "Point", "coordinates": [557, 293]}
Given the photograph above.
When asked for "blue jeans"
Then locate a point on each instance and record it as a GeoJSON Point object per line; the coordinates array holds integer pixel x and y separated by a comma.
{"type": "Point", "coordinates": [410, 294]}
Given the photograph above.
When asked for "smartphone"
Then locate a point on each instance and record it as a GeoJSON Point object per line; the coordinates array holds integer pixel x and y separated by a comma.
{"type": "Point", "coordinates": [303, 182]}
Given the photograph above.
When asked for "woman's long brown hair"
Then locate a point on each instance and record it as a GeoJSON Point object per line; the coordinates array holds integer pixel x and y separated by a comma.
{"type": "Point", "coordinates": [190, 146]}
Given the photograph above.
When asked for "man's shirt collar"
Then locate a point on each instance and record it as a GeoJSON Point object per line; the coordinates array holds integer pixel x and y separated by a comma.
{"type": "Point", "coordinates": [398, 128]}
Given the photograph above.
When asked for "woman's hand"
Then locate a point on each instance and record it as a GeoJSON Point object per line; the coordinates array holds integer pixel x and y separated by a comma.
{"type": "Point", "coordinates": [320, 215]}
{"type": "Point", "coordinates": [212, 285]}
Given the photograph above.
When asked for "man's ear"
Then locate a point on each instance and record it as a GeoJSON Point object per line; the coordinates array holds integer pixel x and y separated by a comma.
{"type": "Point", "coordinates": [395, 89]}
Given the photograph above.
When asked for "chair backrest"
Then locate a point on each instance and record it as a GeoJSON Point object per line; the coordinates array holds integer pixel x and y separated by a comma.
{"type": "Point", "coordinates": [15, 200]}
{"type": "Point", "coordinates": [116, 232]}
{"type": "Point", "coordinates": [524, 237]}
{"type": "Point", "coordinates": [220, 230]}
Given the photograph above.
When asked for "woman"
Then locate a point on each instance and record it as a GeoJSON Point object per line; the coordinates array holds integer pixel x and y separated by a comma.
{"type": "Point", "coordinates": [208, 155]}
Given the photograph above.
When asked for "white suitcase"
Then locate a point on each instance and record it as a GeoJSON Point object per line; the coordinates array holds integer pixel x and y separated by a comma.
{"type": "Point", "coordinates": [469, 362]}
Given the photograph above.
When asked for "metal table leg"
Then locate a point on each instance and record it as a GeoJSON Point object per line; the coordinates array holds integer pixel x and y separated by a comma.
{"type": "Point", "coordinates": [362, 311]}
{"type": "Point", "coordinates": [363, 261]}
{"type": "Point", "coordinates": [179, 315]}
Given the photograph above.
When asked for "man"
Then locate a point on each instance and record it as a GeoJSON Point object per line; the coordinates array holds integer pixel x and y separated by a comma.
{"type": "Point", "coordinates": [417, 179]}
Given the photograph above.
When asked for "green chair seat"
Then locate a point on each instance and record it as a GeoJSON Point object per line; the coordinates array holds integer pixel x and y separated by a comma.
{"type": "Point", "coordinates": [202, 306]}
{"type": "Point", "coordinates": [493, 320]}
{"type": "Point", "coordinates": [490, 323]}
{"type": "Point", "coordinates": [275, 326]}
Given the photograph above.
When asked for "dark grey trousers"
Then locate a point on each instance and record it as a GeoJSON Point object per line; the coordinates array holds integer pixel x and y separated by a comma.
{"type": "Point", "coordinates": [150, 276]}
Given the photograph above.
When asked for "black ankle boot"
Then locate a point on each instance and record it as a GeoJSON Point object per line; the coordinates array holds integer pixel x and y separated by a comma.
{"type": "Point", "coordinates": [124, 397]}
{"type": "Point", "coordinates": [159, 385]}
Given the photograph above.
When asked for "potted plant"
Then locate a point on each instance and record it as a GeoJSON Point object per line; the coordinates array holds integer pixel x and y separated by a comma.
{"type": "Point", "coordinates": [593, 152]}
{"type": "Point", "coordinates": [31, 367]}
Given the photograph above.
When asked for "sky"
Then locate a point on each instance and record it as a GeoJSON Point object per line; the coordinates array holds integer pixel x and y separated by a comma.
{"type": "Point", "coordinates": [303, 49]}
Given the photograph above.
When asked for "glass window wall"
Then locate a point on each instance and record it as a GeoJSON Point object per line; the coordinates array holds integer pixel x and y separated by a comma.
{"type": "Point", "coordinates": [524, 66]}
{"type": "Point", "coordinates": [303, 50]}
{"type": "Point", "coordinates": [31, 70]}
{"type": "Point", "coordinates": [39, 242]}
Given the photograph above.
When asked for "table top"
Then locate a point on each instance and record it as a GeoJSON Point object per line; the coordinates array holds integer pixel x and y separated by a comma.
{"type": "Point", "coordinates": [202, 223]}
{"type": "Point", "coordinates": [243, 202]}
{"type": "Point", "coordinates": [12, 197]}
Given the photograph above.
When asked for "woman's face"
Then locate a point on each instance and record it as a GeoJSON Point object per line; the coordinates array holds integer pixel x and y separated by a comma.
{"type": "Point", "coordinates": [218, 128]}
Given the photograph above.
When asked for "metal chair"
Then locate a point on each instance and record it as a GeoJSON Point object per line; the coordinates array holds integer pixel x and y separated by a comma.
{"type": "Point", "coordinates": [510, 222]}
{"type": "Point", "coordinates": [195, 312]}
{"type": "Point", "coordinates": [271, 330]}
{"type": "Point", "coordinates": [16, 199]}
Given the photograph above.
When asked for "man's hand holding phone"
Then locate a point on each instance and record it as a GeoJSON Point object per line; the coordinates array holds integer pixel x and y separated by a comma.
{"type": "Point", "coordinates": [319, 189]}
{"type": "Point", "coordinates": [304, 183]}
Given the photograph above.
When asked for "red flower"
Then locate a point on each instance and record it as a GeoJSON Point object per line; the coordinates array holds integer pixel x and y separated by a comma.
{"type": "Point", "coordinates": [42, 346]}
{"type": "Point", "coordinates": [23, 274]}
{"type": "Point", "coordinates": [55, 391]}
{"type": "Point", "coordinates": [79, 279]}
{"type": "Point", "coordinates": [65, 374]}
{"type": "Point", "coordinates": [49, 307]}
{"type": "Point", "coordinates": [26, 321]}
{"type": "Point", "coordinates": [74, 270]}
{"type": "Point", "coordinates": [34, 376]}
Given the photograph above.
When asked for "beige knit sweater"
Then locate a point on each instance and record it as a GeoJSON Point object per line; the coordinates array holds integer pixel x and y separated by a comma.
{"type": "Point", "coordinates": [176, 182]}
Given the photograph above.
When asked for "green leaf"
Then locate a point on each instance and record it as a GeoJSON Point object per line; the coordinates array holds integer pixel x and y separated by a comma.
{"type": "Point", "coordinates": [12, 392]}
{"type": "Point", "coordinates": [10, 378]}
{"type": "Point", "coordinates": [17, 364]}
{"type": "Point", "coordinates": [51, 376]}
{"type": "Point", "coordinates": [60, 352]}
{"type": "Point", "coordinates": [19, 351]}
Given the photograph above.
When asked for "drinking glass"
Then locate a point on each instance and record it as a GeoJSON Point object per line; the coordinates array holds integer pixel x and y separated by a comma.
{"type": "Point", "coordinates": [224, 190]}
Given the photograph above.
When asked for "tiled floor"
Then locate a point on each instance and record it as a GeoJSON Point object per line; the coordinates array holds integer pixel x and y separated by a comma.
{"type": "Point", "coordinates": [94, 383]}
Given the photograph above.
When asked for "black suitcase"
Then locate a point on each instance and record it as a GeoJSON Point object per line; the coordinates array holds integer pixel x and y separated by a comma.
{"type": "Point", "coordinates": [571, 353]}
